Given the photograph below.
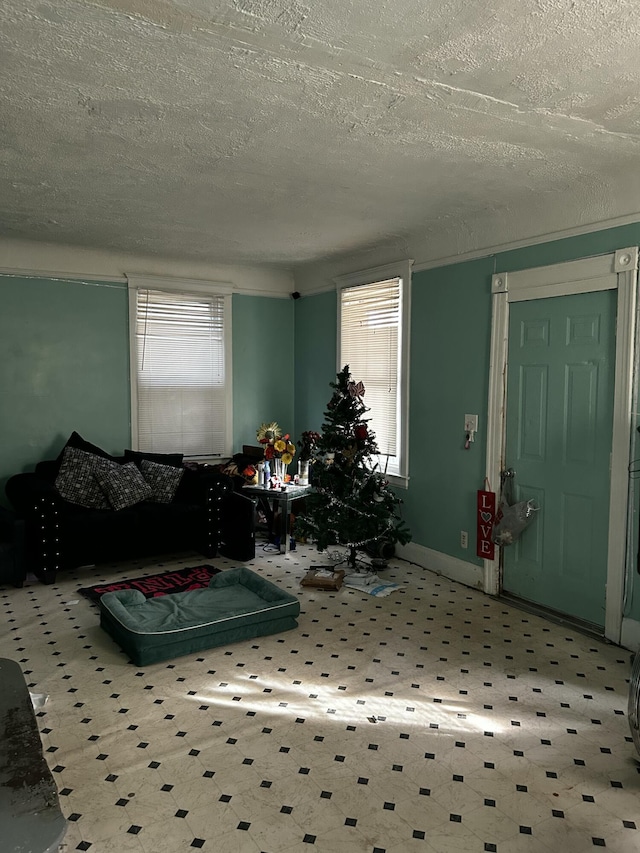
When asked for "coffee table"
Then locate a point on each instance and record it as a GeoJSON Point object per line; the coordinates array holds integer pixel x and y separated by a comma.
{"type": "Point", "coordinates": [282, 499]}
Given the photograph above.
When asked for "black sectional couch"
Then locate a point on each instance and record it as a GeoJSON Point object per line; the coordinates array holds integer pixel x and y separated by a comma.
{"type": "Point", "coordinates": [205, 515]}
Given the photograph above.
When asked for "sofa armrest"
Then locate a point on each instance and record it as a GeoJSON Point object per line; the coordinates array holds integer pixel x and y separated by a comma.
{"type": "Point", "coordinates": [38, 503]}
{"type": "Point", "coordinates": [237, 538]}
{"type": "Point", "coordinates": [229, 522]}
{"type": "Point", "coordinates": [216, 492]}
{"type": "Point", "coordinates": [26, 491]}
{"type": "Point", "coordinates": [195, 484]}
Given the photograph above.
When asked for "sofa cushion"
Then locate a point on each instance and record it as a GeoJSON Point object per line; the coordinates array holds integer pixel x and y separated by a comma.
{"type": "Point", "coordinates": [77, 441]}
{"type": "Point", "coordinates": [163, 479]}
{"type": "Point", "coordinates": [123, 485]}
{"type": "Point", "coordinates": [174, 459]}
{"type": "Point", "coordinates": [77, 482]}
{"type": "Point", "coordinates": [98, 535]}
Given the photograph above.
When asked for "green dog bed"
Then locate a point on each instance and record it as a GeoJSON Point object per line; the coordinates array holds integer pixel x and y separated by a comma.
{"type": "Point", "coordinates": [237, 605]}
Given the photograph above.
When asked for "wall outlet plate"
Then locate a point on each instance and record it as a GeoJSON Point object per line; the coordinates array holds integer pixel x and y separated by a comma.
{"type": "Point", "coordinates": [471, 423]}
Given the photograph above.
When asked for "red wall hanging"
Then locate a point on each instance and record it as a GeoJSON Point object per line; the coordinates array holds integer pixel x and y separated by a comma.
{"type": "Point", "coordinates": [486, 512]}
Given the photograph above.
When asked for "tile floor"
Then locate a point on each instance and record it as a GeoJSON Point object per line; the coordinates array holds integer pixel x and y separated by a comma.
{"type": "Point", "coordinates": [434, 720]}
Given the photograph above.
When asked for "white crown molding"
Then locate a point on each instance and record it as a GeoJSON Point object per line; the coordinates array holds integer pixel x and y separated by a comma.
{"type": "Point", "coordinates": [94, 266]}
{"type": "Point", "coordinates": [187, 285]}
{"type": "Point", "coordinates": [25, 259]}
{"type": "Point", "coordinates": [547, 237]}
{"type": "Point", "coordinates": [482, 252]}
{"type": "Point", "coordinates": [161, 282]}
{"type": "Point", "coordinates": [61, 275]}
{"type": "Point", "coordinates": [399, 268]}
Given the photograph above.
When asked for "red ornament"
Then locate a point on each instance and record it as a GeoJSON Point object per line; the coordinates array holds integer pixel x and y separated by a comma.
{"type": "Point", "coordinates": [361, 432]}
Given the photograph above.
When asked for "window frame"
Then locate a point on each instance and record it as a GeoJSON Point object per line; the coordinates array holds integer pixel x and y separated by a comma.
{"type": "Point", "coordinates": [197, 287]}
{"type": "Point", "coordinates": [402, 271]}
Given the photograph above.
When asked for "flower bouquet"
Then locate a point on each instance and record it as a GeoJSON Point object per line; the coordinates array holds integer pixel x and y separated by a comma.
{"type": "Point", "coordinates": [278, 449]}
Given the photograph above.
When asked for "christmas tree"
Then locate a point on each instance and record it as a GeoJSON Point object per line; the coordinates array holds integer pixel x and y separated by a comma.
{"type": "Point", "coordinates": [352, 503]}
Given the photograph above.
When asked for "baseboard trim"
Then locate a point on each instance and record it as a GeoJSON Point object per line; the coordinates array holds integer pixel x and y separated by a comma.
{"type": "Point", "coordinates": [473, 576]}
{"type": "Point", "coordinates": [443, 564]}
{"type": "Point", "coordinates": [630, 634]}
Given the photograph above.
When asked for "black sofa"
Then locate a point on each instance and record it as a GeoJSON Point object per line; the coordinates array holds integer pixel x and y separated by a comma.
{"type": "Point", "coordinates": [206, 515]}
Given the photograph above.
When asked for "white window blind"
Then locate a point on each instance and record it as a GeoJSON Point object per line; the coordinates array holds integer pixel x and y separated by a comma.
{"type": "Point", "coordinates": [181, 394]}
{"type": "Point", "coordinates": [370, 343]}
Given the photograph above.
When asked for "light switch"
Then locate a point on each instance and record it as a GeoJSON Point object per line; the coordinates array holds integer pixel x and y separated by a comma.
{"type": "Point", "coordinates": [471, 423]}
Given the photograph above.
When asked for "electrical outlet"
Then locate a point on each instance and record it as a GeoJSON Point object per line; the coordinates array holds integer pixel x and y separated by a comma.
{"type": "Point", "coordinates": [464, 539]}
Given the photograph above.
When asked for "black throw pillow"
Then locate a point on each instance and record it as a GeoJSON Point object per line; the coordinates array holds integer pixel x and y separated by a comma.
{"type": "Point", "coordinates": [77, 441]}
{"type": "Point", "coordinates": [173, 459]}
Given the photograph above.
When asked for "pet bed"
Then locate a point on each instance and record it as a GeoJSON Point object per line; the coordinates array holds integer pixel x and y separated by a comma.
{"type": "Point", "coordinates": [237, 605]}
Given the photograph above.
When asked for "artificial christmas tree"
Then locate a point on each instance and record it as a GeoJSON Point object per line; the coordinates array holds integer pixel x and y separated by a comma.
{"type": "Point", "coordinates": [352, 503]}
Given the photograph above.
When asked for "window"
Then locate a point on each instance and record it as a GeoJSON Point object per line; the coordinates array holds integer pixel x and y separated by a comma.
{"type": "Point", "coordinates": [181, 388]}
{"type": "Point", "coordinates": [373, 318]}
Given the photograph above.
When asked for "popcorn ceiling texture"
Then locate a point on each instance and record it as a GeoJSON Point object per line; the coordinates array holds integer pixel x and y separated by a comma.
{"type": "Point", "coordinates": [276, 132]}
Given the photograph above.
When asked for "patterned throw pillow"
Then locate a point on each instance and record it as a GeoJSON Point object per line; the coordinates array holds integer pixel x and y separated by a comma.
{"type": "Point", "coordinates": [163, 479]}
{"type": "Point", "coordinates": [76, 481]}
{"type": "Point", "coordinates": [124, 485]}
{"type": "Point", "coordinates": [137, 456]}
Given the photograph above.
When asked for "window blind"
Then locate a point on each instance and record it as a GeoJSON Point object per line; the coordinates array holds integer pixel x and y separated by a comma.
{"type": "Point", "coordinates": [370, 344]}
{"type": "Point", "coordinates": [181, 398]}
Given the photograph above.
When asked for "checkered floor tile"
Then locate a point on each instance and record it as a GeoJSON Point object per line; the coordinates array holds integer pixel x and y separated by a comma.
{"type": "Point", "coordinates": [436, 720]}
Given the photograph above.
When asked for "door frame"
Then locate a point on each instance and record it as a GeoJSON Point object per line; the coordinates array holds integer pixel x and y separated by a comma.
{"type": "Point", "coordinates": [617, 270]}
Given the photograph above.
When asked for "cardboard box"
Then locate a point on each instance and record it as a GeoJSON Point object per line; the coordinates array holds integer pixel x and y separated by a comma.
{"type": "Point", "coordinates": [316, 578]}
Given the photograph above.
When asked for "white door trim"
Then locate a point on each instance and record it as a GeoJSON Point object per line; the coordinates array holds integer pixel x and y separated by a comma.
{"type": "Point", "coordinates": [612, 271]}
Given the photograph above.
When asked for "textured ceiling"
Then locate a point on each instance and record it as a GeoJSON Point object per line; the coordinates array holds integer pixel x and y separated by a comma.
{"type": "Point", "coordinates": [279, 132]}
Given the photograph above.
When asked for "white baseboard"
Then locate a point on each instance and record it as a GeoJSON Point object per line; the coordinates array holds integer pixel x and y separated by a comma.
{"type": "Point", "coordinates": [472, 575]}
{"type": "Point", "coordinates": [443, 564]}
{"type": "Point", "coordinates": [630, 634]}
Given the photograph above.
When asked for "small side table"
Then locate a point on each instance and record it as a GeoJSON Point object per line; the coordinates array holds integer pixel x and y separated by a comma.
{"type": "Point", "coordinates": [282, 500]}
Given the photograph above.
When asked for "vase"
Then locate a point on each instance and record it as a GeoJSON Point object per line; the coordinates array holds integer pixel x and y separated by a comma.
{"type": "Point", "coordinates": [303, 472]}
{"type": "Point", "coordinates": [280, 470]}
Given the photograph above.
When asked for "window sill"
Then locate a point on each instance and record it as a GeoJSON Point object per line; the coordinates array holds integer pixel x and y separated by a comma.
{"type": "Point", "coordinates": [398, 480]}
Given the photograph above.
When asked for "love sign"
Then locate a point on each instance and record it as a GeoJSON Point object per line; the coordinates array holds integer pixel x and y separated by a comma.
{"type": "Point", "coordinates": [486, 516]}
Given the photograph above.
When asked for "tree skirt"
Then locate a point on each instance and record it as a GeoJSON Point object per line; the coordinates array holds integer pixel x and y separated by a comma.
{"type": "Point", "coordinates": [166, 583]}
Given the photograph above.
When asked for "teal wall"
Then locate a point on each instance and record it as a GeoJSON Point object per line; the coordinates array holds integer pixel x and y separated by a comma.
{"type": "Point", "coordinates": [449, 376]}
{"type": "Point", "coordinates": [263, 366]}
{"type": "Point", "coordinates": [315, 358]}
{"type": "Point", "coordinates": [450, 342]}
{"type": "Point", "coordinates": [64, 366]}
